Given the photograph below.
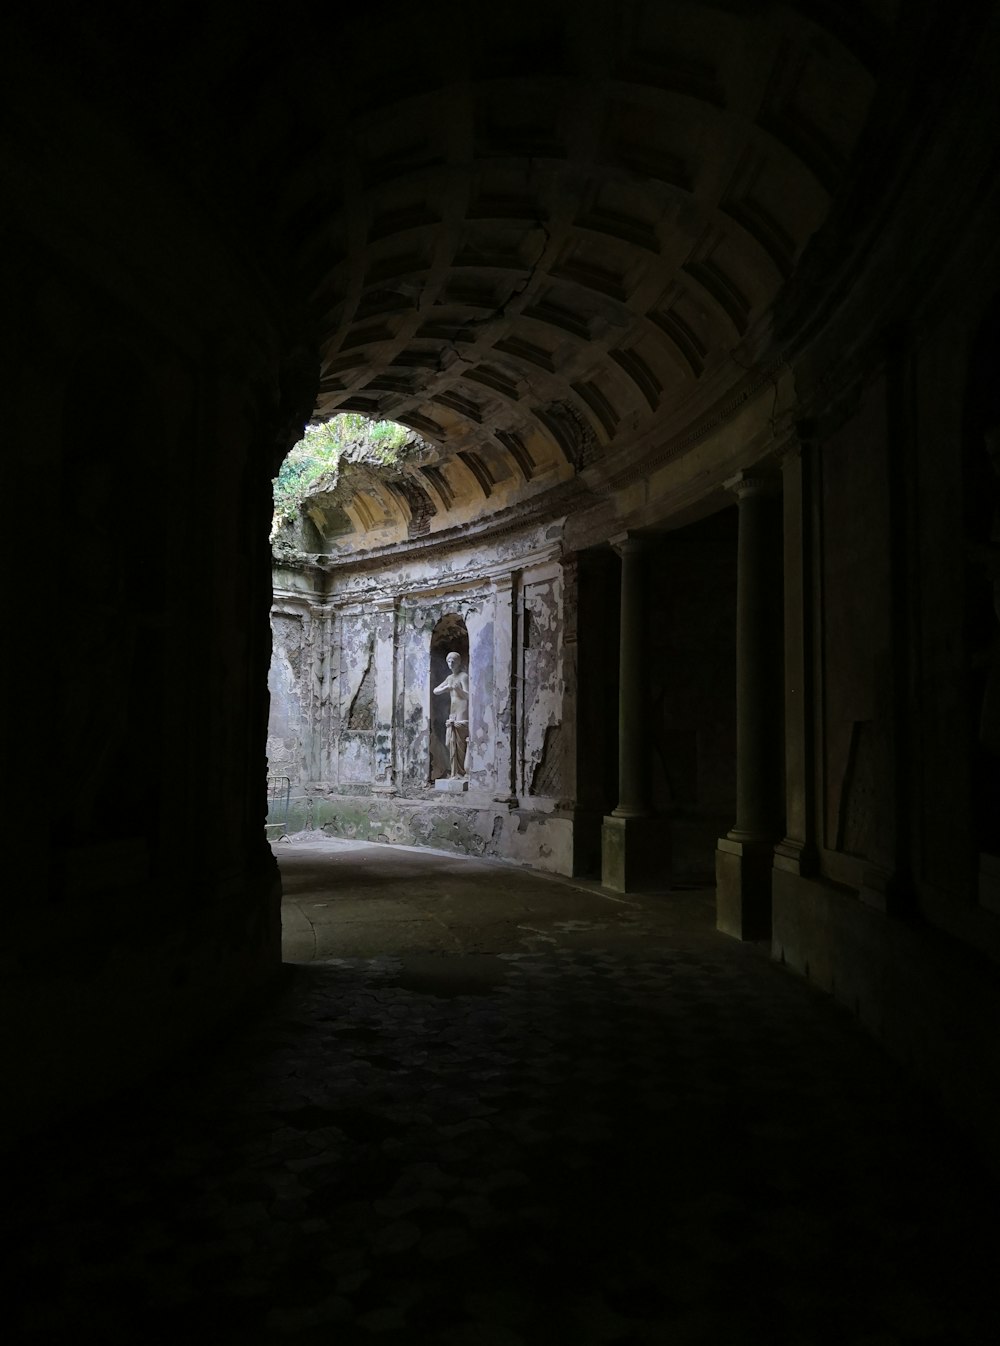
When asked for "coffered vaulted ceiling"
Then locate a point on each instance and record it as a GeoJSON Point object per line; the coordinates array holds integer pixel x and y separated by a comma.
{"type": "Point", "coordinates": [539, 245]}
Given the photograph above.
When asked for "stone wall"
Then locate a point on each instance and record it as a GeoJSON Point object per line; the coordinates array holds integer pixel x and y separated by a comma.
{"type": "Point", "coordinates": [365, 753]}
{"type": "Point", "coordinates": [891, 903]}
{"type": "Point", "coordinates": [691, 658]}
{"type": "Point", "coordinates": [526, 653]}
{"type": "Point", "coordinates": [149, 910]}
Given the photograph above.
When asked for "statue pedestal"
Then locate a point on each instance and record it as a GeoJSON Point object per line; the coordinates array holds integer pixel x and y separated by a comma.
{"type": "Point", "coordinates": [451, 784]}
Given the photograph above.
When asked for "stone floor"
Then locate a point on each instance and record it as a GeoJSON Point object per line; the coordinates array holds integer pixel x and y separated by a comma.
{"type": "Point", "coordinates": [496, 1109]}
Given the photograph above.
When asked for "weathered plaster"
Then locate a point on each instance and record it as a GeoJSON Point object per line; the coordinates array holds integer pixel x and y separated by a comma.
{"type": "Point", "coordinates": [365, 723]}
{"type": "Point", "coordinates": [287, 722]}
{"type": "Point", "coordinates": [541, 628]}
{"type": "Point", "coordinates": [475, 826]}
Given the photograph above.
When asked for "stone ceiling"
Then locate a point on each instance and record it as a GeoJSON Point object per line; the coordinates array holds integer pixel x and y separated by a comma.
{"type": "Point", "coordinates": [533, 269]}
{"type": "Point", "coordinates": [542, 234]}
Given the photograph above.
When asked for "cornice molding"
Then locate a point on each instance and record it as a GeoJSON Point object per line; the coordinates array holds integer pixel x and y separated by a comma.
{"type": "Point", "coordinates": [757, 482]}
{"type": "Point", "coordinates": [557, 503]}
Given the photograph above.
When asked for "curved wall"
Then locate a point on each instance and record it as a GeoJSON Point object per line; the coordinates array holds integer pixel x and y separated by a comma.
{"type": "Point", "coordinates": [369, 638]}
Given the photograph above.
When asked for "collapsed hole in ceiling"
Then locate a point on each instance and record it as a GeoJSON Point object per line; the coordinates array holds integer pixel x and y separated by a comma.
{"type": "Point", "coordinates": [354, 483]}
{"type": "Point", "coordinates": [349, 476]}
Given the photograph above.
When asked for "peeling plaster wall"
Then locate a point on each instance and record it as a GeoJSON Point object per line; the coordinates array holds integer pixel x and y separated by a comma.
{"type": "Point", "coordinates": [302, 674]}
{"type": "Point", "coordinates": [409, 691]}
{"type": "Point", "coordinates": [541, 649]}
{"type": "Point", "coordinates": [354, 745]}
{"type": "Point", "coordinates": [413, 700]}
{"type": "Point", "coordinates": [366, 757]}
{"type": "Point", "coordinates": [287, 721]}
{"type": "Point", "coordinates": [482, 711]}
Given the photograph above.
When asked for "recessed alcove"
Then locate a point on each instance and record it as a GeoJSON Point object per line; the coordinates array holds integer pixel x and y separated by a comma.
{"type": "Point", "coordinates": [449, 634]}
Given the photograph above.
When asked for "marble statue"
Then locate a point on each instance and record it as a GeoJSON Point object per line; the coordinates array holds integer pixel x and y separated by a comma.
{"type": "Point", "coordinates": [456, 684]}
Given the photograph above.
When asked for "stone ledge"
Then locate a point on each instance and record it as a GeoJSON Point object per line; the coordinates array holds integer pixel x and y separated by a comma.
{"type": "Point", "coordinates": [468, 823]}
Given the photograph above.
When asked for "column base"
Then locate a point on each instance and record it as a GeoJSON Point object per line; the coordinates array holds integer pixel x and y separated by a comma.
{"type": "Point", "coordinates": [989, 881]}
{"type": "Point", "coordinates": [884, 890]}
{"type": "Point", "coordinates": [587, 844]}
{"type": "Point", "coordinates": [452, 784]}
{"type": "Point", "coordinates": [743, 888]}
{"type": "Point", "coordinates": [795, 857]}
{"type": "Point", "coordinates": [634, 854]}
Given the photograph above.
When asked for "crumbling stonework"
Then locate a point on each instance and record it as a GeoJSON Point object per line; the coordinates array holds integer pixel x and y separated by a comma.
{"type": "Point", "coordinates": [374, 731]}
{"type": "Point", "coordinates": [541, 625]}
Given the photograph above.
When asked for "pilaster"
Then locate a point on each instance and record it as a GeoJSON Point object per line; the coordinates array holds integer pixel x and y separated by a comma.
{"type": "Point", "coordinates": [744, 857]}
{"type": "Point", "coordinates": [796, 853]}
{"type": "Point", "coordinates": [570, 673]}
{"type": "Point", "coordinates": [505, 707]}
{"type": "Point", "coordinates": [632, 852]}
{"type": "Point", "coordinates": [632, 784]}
{"type": "Point", "coordinates": [386, 624]}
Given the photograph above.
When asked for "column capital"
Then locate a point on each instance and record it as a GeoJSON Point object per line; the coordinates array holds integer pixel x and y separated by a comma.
{"type": "Point", "coordinates": [753, 482]}
{"type": "Point", "coordinates": [803, 437]}
{"type": "Point", "coordinates": [807, 429]}
{"type": "Point", "coordinates": [790, 453]}
{"type": "Point", "coordinates": [628, 543]}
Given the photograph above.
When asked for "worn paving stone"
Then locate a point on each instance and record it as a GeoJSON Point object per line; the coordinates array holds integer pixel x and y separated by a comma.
{"type": "Point", "coordinates": [663, 1141]}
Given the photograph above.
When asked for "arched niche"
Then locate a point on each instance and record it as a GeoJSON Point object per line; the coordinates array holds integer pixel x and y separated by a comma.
{"type": "Point", "coordinates": [449, 634]}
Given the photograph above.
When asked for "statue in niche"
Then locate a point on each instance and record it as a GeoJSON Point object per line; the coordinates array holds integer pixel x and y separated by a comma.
{"type": "Point", "coordinates": [456, 684]}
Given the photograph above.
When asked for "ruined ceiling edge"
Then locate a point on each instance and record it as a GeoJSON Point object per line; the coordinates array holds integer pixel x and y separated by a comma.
{"type": "Point", "coordinates": [558, 502]}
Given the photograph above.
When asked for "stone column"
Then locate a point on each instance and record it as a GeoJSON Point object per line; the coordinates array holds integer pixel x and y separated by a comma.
{"type": "Point", "coordinates": [385, 696]}
{"type": "Point", "coordinates": [887, 879]}
{"type": "Point", "coordinates": [321, 681]}
{"type": "Point", "coordinates": [570, 592]}
{"type": "Point", "coordinates": [630, 858]}
{"type": "Point", "coordinates": [743, 858]}
{"type": "Point", "coordinates": [631, 700]}
{"type": "Point", "coordinates": [574, 751]}
{"type": "Point", "coordinates": [504, 689]}
{"type": "Point", "coordinates": [796, 853]}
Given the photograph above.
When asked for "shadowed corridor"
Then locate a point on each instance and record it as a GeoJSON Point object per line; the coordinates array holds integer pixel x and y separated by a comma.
{"type": "Point", "coordinates": [493, 1108]}
{"type": "Point", "coordinates": [684, 320]}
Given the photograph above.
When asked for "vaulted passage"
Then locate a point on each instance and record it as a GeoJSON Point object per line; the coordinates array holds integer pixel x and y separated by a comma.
{"type": "Point", "coordinates": [675, 594]}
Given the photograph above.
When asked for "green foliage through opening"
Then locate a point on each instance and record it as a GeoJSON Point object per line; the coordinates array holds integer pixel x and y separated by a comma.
{"type": "Point", "coordinates": [319, 452]}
